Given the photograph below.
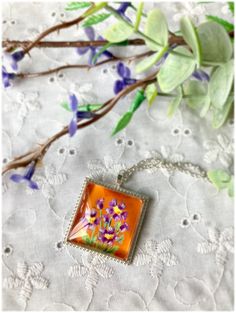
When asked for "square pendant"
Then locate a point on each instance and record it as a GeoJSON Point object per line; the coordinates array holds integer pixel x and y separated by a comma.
{"type": "Point", "coordinates": [107, 219]}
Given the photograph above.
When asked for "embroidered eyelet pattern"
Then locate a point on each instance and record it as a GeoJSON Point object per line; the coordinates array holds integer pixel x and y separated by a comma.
{"type": "Point", "coordinates": [119, 141]}
{"type": "Point", "coordinates": [59, 246]}
{"type": "Point", "coordinates": [7, 250]}
{"type": "Point", "coordinates": [187, 132]}
{"type": "Point", "coordinates": [175, 131]}
{"type": "Point", "coordinates": [130, 143]}
{"type": "Point", "coordinates": [185, 222]}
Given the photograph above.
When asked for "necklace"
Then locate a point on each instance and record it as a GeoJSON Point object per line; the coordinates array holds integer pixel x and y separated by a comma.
{"type": "Point", "coordinates": [107, 218]}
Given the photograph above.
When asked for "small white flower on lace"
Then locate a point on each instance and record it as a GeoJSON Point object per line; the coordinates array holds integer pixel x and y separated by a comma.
{"type": "Point", "coordinates": [156, 255]}
{"type": "Point", "coordinates": [93, 267]}
{"type": "Point", "coordinates": [26, 280]}
{"type": "Point", "coordinates": [221, 149]}
{"type": "Point", "coordinates": [167, 154]}
{"type": "Point", "coordinates": [107, 169]}
{"type": "Point", "coordinates": [219, 243]}
{"type": "Point", "coordinates": [84, 93]}
{"type": "Point", "coordinates": [191, 9]}
{"type": "Point", "coordinates": [26, 103]}
{"type": "Point", "coordinates": [46, 184]}
{"type": "Point", "coordinates": [7, 250]}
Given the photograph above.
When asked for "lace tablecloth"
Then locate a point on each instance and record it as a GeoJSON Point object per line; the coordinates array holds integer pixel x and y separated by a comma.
{"type": "Point", "coordinates": [182, 261]}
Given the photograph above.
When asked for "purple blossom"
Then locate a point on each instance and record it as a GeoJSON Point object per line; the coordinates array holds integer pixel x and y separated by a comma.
{"type": "Point", "coordinates": [106, 218]}
{"type": "Point", "coordinates": [91, 218]}
{"type": "Point", "coordinates": [124, 72]}
{"type": "Point", "coordinates": [10, 66]}
{"type": "Point", "coordinates": [100, 203]}
{"type": "Point", "coordinates": [124, 227]}
{"type": "Point", "coordinates": [77, 115]}
{"type": "Point", "coordinates": [122, 9]}
{"type": "Point", "coordinates": [108, 235]}
{"type": "Point", "coordinates": [27, 177]}
{"type": "Point", "coordinates": [201, 75]}
{"type": "Point", "coordinates": [117, 210]}
{"type": "Point", "coordinates": [93, 50]}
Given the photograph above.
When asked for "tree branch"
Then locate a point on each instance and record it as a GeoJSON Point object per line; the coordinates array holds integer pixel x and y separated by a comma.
{"type": "Point", "coordinates": [39, 152]}
{"type": "Point", "coordinates": [83, 66]}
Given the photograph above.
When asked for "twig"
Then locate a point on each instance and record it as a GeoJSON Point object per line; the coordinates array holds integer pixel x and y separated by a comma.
{"type": "Point", "coordinates": [38, 153]}
{"type": "Point", "coordinates": [54, 28]}
{"type": "Point", "coordinates": [83, 66]}
{"type": "Point", "coordinates": [10, 44]}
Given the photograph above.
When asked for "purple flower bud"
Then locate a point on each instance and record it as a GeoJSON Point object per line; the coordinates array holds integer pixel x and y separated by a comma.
{"type": "Point", "coordinates": [27, 177]}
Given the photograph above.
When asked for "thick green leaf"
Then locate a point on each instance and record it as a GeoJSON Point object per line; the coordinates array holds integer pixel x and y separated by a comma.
{"type": "Point", "coordinates": [95, 19]}
{"type": "Point", "coordinates": [175, 102]}
{"type": "Point", "coordinates": [77, 5]}
{"type": "Point", "coordinates": [219, 116]}
{"type": "Point", "coordinates": [156, 28]}
{"type": "Point", "coordinates": [219, 178]}
{"type": "Point", "coordinates": [227, 25]}
{"type": "Point", "coordinates": [118, 32]}
{"type": "Point", "coordinates": [215, 43]}
{"type": "Point", "coordinates": [175, 70]}
{"type": "Point", "coordinates": [221, 83]}
{"type": "Point", "coordinates": [151, 93]}
{"type": "Point", "coordinates": [148, 62]}
{"type": "Point", "coordinates": [123, 122]}
{"type": "Point", "coordinates": [191, 37]}
{"type": "Point", "coordinates": [197, 97]}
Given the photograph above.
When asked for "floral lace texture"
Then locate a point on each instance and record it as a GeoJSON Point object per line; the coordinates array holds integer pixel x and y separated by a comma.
{"type": "Point", "coordinates": [184, 254]}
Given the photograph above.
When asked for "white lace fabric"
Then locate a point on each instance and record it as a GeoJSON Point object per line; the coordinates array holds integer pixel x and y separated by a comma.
{"type": "Point", "coordinates": [184, 255]}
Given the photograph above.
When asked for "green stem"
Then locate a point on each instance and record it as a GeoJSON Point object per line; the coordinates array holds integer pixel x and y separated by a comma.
{"type": "Point", "coordinates": [120, 18]}
{"type": "Point", "coordinates": [138, 16]}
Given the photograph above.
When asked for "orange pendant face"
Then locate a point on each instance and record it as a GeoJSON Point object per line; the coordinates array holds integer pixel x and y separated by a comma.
{"type": "Point", "coordinates": [107, 220]}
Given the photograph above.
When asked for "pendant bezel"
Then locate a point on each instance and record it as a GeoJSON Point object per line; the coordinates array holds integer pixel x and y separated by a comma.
{"type": "Point", "coordinates": [116, 188]}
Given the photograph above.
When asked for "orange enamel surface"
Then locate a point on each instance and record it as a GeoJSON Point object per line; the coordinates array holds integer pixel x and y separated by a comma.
{"type": "Point", "coordinates": [79, 230]}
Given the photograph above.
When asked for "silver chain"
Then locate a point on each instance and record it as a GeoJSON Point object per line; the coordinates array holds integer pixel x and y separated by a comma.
{"type": "Point", "coordinates": [184, 167]}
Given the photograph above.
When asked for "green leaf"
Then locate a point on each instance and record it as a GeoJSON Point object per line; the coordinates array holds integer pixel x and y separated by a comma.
{"type": "Point", "coordinates": [221, 83]}
{"type": "Point", "coordinates": [219, 178]}
{"type": "Point", "coordinates": [219, 116]}
{"type": "Point", "coordinates": [77, 5]}
{"type": "Point", "coordinates": [148, 62]}
{"type": "Point", "coordinates": [191, 37]}
{"type": "Point", "coordinates": [65, 105]}
{"type": "Point", "coordinates": [227, 25]}
{"type": "Point", "coordinates": [215, 42]}
{"type": "Point", "coordinates": [197, 96]}
{"type": "Point", "coordinates": [175, 102]}
{"type": "Point", "coordinates": [87, 107]}
{"type": "Point", "coordinates": [118, 32]}
{"type": "Point", "coordinates": [95, 19]}
{"type": "Point", "coordinates": [151, 93]}
{"type": "Point", "coordinates": [231, 187]}
{"type": "Point", "coordinates": [175, 70]}
{"type": "Point", "coordinates": [137, 101]}
{"type": "Point", "coordinates": [156, 28]}
{"type": "Point", "coordinates": [105, 47]}
{"type": "Point", "coordinates": [231, 7]}
{"type": "Point", "coordinates": [138, 15]}
{"type": "Point", "coordinates": [95, 8]}
{"type": "Point", "coordinates": [123, 122]}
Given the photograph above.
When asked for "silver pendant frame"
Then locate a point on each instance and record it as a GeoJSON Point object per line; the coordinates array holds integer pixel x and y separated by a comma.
{"type": "Point", "coordinates": [117, 188]}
